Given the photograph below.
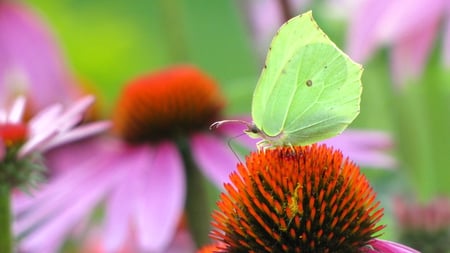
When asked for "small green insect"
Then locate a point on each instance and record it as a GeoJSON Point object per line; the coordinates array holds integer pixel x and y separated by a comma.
{"type": "Point", "coordinates": [308, 91]}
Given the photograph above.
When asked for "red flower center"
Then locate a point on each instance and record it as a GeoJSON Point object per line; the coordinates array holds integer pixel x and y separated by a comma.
{"type": "Point", "coordinates": [13, 133]}
{"type": "Point", "coordinates": [296, 199]}
{"type": "Point", "coordinates": [166, 104]}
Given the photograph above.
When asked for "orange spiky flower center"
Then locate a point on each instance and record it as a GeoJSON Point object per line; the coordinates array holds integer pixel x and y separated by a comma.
{"type": "Point", "coordinates": [13, 133]}
{"type": "Point", "coordinates": [168, 103]}
{"type": "Point", "coordinates": [296, 199]}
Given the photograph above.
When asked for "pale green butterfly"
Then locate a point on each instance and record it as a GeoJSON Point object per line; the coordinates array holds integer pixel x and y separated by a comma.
{"type": "Point", "coordinates": [308, 91]}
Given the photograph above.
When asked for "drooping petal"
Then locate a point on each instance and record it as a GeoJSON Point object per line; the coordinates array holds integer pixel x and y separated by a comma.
{"type": "Point", "coordinates": [446, 43]}
{"type": "Point", "coordinates": [31, 62]}
{"type": "Point", "coordinates": [409, 53]}
{"type": "Point", "coordinates": [382, 246]}
{"type": "Point", "coordinates": [44, 118]}
{"type": "Point", "coordinates": [74, 113]}
{"type": "Point", "coordinates": [65, 201]}
{"type": "Point", "coordinates": [118, 214]}
{"type": "Point", "coordinates": [78, 133]}
{"type": "Point", "coordinates": [214, 157]}
{"type": "Point", "coordinates": [154, 191]}
{"type": "Point", "coordinates": [402, 18]}
{"type": "Point", "coordinates": [361, 40]}
{"type": "Point", "coordinates": [366, 148]}
{"type": "Point", "coordinates": [50, 129]}
{"type": "Point", "coordinates": [160, 198]}
{"type": "Point", "coordinates": [35, 142]}
{"type": "Point", "coordinates": [17, 110]}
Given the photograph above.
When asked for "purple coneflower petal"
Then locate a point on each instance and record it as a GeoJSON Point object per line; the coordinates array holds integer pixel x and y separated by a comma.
{"type": "Point", "coordinates": [366, 148]}
{"type": "Point", "coordinates": [26, 47]}
{"type": "Point", "coordinates": [156, 185]}
{"type": "Point", "coordinates": [44, 118]}
{"type": "Point", "coordinates": [118, 216]}
{"type": "Point", "coordinates": [363, 24]}
{"type": "Point", "coordinates": [409, 53]}
{"type": "Point", "coordinates": [446, 42]}
{"type": "Point", "coordinates": [17, 110]}
{"type": "Point", "coordinates": [74, 113]}
{"type": "Point", "coordinates": [65, 206]}
{"type": "Point", "coordinates": [78, 133]}
{"type": "Point", "coordinates": [160, 197]}
{"type": "Point", "coordinates": [214, 158]}
{"type": "Point", "coordinates": [382, 246]}
{"type": "Point", "coordinates": [36, 142]}
{"type": "Point", "coordinates": [402, 18]}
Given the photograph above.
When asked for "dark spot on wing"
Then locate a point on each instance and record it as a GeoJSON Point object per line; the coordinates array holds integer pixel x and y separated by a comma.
{"type": "Point", "coordinates": [309, 83]}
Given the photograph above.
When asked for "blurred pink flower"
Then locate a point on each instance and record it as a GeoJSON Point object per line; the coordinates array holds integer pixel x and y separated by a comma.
{"type": "Point", "coordinates": [51, 127]}
{"type": "Point", "coordinates": [139, 173]}
{"type": "Point", "coordinates": [410, 28]}
{"type": "Point", "coordinates": [424, 226]}
{"type": "Point", "coordinates": [23, 142]}
{"type": "Point", "coordinates": [30, 61]}
{"type": "Point", "coordinates": [367, 148]}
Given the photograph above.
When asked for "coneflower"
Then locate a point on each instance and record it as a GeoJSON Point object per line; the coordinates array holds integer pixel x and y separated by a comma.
{"type": "Point", "coordinates": [299, 199]}
{"type": "Point", "coordinates": [160, 143]}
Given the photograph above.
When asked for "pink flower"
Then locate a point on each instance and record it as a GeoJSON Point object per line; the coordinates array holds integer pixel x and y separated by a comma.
{"type": "Point", "coordinates": [30, 62]}
{"type": "Point", "coordinates": [424, 226]}
{"type": "Point", "coordinates": [367, 148]}
{"type": "Point", "coordinates": [408, 27]}
{"type": "Point", "coordinates": [49, 128]}
{"type": "Point", "coordinates": [21, 142]}
{"type": "Point", "coordinates": [138, 173]}
{"type": "Point", "coordinates": [383, 246]}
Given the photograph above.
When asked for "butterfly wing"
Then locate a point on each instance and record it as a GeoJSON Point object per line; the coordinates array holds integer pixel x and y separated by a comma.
{"type": "Point", "coordinates": [309, 90]}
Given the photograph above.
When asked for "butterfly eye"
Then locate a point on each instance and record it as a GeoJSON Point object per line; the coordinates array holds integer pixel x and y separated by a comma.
{"type": "Point", "coordinates": [252, 129]}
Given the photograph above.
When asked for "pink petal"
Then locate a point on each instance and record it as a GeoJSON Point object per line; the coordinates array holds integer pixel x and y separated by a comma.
{"type": "Point", "coordinates": [446, 42]}
{"type": "Point", "coordinates": [213, 157]}
{"type": "Point", "coordinates": [43, 119]}
{"type": "Point", "coordinates": [68, 199]}
{"type": "Point", "coordinates": [403, 17]}
{"type": "Point", "coordinates": [17, 110]}
{"type": "Point", "coordinates": [74, 113]}
{"type": "Point", "coordinates": [26, 46]}
{"type": "Point", "coordinates": [159, 198]}
{"type": "Point", "coordinates": [60, 213]}
{"type": "Point", "coordinates": [3, 116]}
{"type": "Point", "coordinates": [382, 246]}
{"type": "Point", "coordinates": [118, 212]}
{"type": "Point", "coordinates": [36, 142]}
{"type": "Point", "coordinates": [366, 148]}
{"type": "Point", "coordinates": [361, 40]}
{"type": "Point", "coordinates": [78, 133]}
{"type": "Point", "coordinates": [410, 53]}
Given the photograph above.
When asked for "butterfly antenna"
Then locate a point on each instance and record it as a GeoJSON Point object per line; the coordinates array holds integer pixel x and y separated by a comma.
{"type": "Point", "coordinates": [231, 147]}
{"type": "Point", "coordinates": [217, 124]}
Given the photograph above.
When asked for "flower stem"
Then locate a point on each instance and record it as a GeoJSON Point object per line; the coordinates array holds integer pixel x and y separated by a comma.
{"type": "Point", "coordinates": [198, 204]}
{"type": "Point", "coordinates": [6, 241]}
